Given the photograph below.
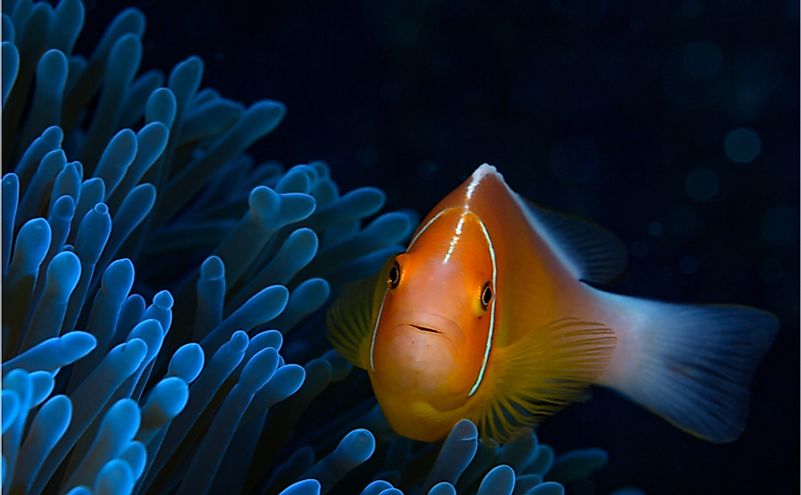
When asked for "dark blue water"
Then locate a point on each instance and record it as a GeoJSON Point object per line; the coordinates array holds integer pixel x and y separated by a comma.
{"type": "Point", "coordinates": [673, 124]}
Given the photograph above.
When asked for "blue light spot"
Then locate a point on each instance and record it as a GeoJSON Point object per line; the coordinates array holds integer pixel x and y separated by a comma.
{"type": "Point", "coordinates": [702, 59]}
{"type": "Point", "coordinates": [575, 159]}
{"type": "Point", "coordinates": [742, 145]}
{"type": "Point", "coordinates": [701, 184]}
{"type": "Point", "coordinates": [780, 225]}
{"type": "Point", "coordinates": [391, 91]}
{"type": "Point", "coordinates": [367, 156]}
{"type": "Point", "coordinates": [655, 229]}
{"type": "Point", "coordinates": [428, 170]}
{"type": "Point", "coordinates": [639, 249]}
{"type": "Point", "coordinates": [691, 8]}
{"type": "Point", "coordinates": [684, 222]}
{"type": "Point", "coordinates": [771, 270]}
{"type": "Point", "coordinates": [688, 264]}
{"type": "Point", "coordinates": [568, 57]}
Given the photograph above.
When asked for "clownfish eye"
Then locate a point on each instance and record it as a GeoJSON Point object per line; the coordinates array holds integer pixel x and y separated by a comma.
{"type": "Point", "coordinates": [393, 277]}
{"type": "Point", "coordinates": [486, 295]}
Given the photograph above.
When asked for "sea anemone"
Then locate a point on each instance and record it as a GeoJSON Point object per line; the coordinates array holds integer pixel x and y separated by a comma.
{"type": "Point", "coordinates": [113, 386]}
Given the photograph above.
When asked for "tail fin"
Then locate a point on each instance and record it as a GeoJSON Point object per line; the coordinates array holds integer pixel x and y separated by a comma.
{"type": "Point", "coordinates": [689, 364]}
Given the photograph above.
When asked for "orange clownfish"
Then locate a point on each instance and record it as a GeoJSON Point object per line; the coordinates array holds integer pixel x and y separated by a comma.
{"type": "Point", "coordinates": [489, 315]}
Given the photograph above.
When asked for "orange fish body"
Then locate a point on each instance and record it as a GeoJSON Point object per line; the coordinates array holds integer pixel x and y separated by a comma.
{"type": "Point", "coordinates": [487, 316]}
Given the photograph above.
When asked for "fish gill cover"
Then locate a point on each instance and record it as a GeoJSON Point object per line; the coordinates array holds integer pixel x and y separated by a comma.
{"type": "Point", "coordinates": [160, 285]}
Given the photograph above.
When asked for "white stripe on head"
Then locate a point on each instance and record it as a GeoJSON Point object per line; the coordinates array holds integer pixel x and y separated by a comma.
{"type": "Point", "coordinates": [479, 174]}
{"type": "Point", "coordinates": [375, 329]}
{"type": "Point", "coordinates": [456, 236]}
{"type": "Point", "coordinates": [425, 227]}
{"type": "Point", "coordinates": [476, 178]}
{"type": "Point", "coordinates": [491, 330]}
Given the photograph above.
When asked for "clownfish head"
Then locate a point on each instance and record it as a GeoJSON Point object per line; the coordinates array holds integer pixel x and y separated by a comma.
{"type": "Point", "coordinates": [433, 331]}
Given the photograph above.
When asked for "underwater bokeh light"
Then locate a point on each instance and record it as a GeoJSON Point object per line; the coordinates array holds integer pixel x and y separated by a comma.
{"type": "Point", "coordinates": [162, 293]}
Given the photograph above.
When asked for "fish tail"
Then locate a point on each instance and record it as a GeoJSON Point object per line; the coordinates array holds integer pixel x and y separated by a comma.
{"type": "Point", "coordinates": [690, 364]}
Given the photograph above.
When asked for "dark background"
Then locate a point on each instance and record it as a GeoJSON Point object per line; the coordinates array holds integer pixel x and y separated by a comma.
{"type": "Point", "coordinates": [617, 111]}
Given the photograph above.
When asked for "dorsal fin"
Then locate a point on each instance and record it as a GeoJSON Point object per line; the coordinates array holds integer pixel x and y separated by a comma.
{"type": "Point", "coordinates": [591, 253]}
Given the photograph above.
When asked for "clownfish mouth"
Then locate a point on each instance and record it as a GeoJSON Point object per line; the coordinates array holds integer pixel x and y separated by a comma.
{"type": "Point", "coordinates": [426, 325]}
{"type": "Point", "coordinates": [426, 329]}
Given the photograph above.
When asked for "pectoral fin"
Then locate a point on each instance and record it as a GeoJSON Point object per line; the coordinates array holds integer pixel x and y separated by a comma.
{"type": "Point", "coordinates": [351, 318]}
{"type": "Point", "coordinates": [538, 375]}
